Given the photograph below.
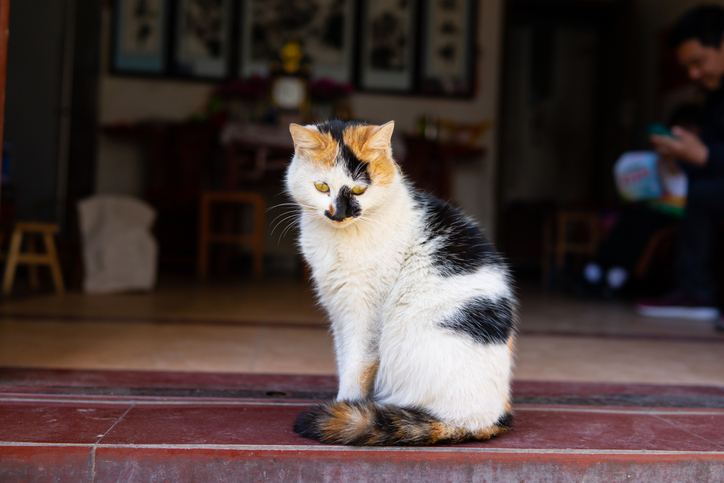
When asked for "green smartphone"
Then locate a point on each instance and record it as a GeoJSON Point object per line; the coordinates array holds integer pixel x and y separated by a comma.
{"type": "Point", "coordinates": [659, 129]}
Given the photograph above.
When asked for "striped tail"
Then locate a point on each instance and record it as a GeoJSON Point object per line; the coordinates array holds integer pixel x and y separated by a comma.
{"type": "Point", "coordinates": [368, 423]}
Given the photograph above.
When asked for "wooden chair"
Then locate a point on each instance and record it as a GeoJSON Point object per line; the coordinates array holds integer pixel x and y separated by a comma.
{"type": "Point", "coordinates": [662, 238]}
{"type": "Point", "coordinates": [207, 236]}
{"type": "Point", "coordinates": [569, 232]}
{"type": "Point", "coordinates": [49, 258]}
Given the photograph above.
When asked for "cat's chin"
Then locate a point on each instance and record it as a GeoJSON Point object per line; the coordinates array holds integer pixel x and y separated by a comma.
{"type": "Point", "coordinates": [341, 224]}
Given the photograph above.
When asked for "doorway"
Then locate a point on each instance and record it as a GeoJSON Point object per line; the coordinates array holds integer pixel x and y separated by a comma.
{"type": "Point", "coordinates": [566, 113]}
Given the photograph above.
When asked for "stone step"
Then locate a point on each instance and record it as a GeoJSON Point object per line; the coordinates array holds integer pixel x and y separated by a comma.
{"type": "Point", "coordinates": [80, 426]}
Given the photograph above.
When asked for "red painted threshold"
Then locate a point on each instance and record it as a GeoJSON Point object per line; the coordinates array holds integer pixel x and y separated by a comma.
{"type": "Point", "coordinates": [80, 426]}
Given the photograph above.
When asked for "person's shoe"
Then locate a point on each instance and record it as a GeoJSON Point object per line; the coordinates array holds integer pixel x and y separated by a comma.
{"type": "Point", "coordinates": [678, 305]}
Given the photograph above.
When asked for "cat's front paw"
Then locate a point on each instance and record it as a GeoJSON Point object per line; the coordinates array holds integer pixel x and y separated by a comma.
{"type": "Point", "coordinates": [351, 396]}
{"type": "Point", "coordinates": [359, 385]}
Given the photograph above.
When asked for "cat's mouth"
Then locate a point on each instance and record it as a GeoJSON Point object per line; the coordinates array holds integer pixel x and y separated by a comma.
{"type": "Point", "coordinates": [342, 212]}
{"type": "Point", "coordinates": [338, 218]}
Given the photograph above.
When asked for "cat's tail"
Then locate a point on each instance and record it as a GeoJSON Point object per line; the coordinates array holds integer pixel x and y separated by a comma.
{"type": "Point", "coordinates": [368, 423]}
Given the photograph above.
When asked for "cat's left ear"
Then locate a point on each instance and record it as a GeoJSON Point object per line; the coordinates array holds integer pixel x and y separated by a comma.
{"type": "Point", "coordinates": [381, 137]}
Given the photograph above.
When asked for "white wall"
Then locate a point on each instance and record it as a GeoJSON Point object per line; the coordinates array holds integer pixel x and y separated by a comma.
{"type": "Point", "coordinates": [128, 99]}
{"type": "Point", "coordinates": [133, 99]}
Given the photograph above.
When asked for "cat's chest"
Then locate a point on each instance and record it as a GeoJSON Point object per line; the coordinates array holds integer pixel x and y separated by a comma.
{"type": "Point", "coordinates": [351, 264]}
{"type": "Point", "coordinates": [347, 254]}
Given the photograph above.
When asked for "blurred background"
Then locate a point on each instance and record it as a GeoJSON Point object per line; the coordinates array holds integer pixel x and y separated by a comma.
{"type": "Point", "coordinates": [512, 109]}
{"type": "Point", "coordinates": [151, 138]}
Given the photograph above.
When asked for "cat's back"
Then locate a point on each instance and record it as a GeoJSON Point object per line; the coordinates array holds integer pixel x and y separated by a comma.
{"type": "Point", "coordinates": [453, 241]}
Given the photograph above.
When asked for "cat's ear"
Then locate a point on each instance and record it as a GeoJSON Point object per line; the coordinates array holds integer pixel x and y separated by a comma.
{"type": "Point", "coordinates": [381, 137]}
{"type": "Point", "coordinates": [307, 138]}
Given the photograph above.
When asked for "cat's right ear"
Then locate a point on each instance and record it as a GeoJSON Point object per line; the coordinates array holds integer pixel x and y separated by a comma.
{"type": "Point", "coordinates": [306, 138]}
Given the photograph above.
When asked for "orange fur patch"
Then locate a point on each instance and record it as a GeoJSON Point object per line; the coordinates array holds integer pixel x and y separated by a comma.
{"type": "Point", "coordinates": [511, 350]}
{"type": "Point", "coordinates": [367, 378]}
{"type": "Point", "coordinates": [381, 165]}
{"type": "Point", "coordinates": [337, 423]}
{"type": "Point", "coordinates": [313, 145]}
{"type": "Point", "coordinates": [346, 423]}
{"type": "Point", "coordinates": [441, 431]}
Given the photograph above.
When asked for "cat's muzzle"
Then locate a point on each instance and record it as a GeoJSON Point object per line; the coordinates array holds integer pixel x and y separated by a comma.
{"type": "Point", "coordinates": [343, 209]}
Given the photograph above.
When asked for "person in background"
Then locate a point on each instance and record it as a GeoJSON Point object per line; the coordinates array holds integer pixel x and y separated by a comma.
{"type": "Point", "coordinates": [611, 268]}
{"type": "Point", "coordinates": [698, 43]}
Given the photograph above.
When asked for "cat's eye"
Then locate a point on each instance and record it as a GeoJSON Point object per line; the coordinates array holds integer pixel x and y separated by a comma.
{"type": "Point", "coordinates": [358, 190]}
{"type": "Point", "coordinates": [323, 187]}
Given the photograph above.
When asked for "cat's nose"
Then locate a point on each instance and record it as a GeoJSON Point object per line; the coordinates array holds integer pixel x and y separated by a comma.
{"type": "Point", "coordinates": [338, 211]}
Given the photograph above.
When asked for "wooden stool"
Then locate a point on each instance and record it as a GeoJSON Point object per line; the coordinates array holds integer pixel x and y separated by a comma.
{"type": "Point", "coordinates": [31, 257]}
{"type": "Point", "coordinates": [206, 237]}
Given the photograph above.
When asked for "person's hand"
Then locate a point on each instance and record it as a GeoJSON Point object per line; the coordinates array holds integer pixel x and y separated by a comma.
{"type": "Point", "coordinates": [686, 146]}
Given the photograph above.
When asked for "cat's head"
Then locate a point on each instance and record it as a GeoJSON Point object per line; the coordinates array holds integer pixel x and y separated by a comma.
{"type": "Point", "coordinates": [342, 170]}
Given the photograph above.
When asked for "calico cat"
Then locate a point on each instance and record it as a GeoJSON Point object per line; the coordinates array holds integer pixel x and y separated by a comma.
{"type": "Point", "coordinates": [421, 305]}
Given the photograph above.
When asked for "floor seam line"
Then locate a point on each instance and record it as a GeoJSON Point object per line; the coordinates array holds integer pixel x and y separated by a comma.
{"type": "Point", "coordinates": [110, 400]}
{"type": "Point", "coordinates": [95, 446]}
{"type": "Point", "coordinates": [687, 431]}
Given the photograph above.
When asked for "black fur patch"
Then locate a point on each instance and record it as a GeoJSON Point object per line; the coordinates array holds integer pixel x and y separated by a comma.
{"type": "Point", "coordinates": [484, 320]}
{"type": "Point", "coordinates": [307, 423]}
{"type": "Point", "coordinates": [335, 128]}
{"type": "Point", "coordinates": [355, 168]}
{"type": "Point", "coordinates": [462, 247]}
{"type": "Point", "coordinates": [505, 421]}
{"type": "Point", "coordinates": [346, 206]}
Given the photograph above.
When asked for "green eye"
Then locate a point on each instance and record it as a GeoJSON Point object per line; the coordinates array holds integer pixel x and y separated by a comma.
{"type": "Point", "coordinates": [323, 187]}
{"type": "Point", "coordinates": [358, 190]}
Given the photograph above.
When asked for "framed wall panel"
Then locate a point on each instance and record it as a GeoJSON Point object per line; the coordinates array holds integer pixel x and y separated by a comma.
{"type": "Point", "coordinates": [140, 37]}
{"type": "Point", "coordinates": [387, 54]}
{"type": "Point", "coordinates": [202, 39]}
{"type": "Point", "coordinates": [324, 27]}
{"type": "Point", "coordinates": [448, 47]}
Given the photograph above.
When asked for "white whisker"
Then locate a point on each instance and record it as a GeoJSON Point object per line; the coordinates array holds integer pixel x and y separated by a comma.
{"type": "Point", "coordinates": [292, 216]}
{"type": "Point", "coordinates": [290, 204]}
{"type": "Point", "coordinates": [291, 212]}
{"type": "Point", "coordinates": [289, 227]}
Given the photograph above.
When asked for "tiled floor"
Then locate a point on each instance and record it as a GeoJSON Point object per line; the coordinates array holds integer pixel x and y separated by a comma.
{"type": "Point", "coordinates": [600, 394]}
{"type": "Point", "coordinates": [275, 327]}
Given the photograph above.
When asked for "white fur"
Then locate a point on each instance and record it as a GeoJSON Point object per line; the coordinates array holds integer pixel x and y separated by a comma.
{"type": "Point", "coordinates": [386, 303]}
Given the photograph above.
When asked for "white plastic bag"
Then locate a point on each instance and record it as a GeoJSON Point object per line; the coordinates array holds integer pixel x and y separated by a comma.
{"type": "Point", "coordinates": [119, 252]}
{"type": "Point", "coordinates": [637, 176]}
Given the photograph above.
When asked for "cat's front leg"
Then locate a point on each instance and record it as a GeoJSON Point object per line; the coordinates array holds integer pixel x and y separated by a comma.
{"type": "Point", "coordinates": [357, 359]}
